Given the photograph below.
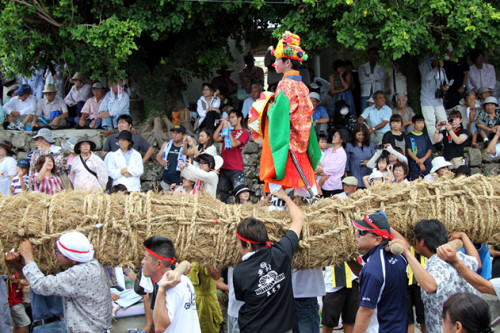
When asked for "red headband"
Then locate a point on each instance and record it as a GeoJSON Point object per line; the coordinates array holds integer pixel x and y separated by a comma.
{"type": "Point", "coordinates": [171, 260]}
{"type": "Point", "coordinates": [253, 242]}
{"type": "Point", "coordinates": [382, 233]}
{"type": "Point", "coordinates": [70, 250]}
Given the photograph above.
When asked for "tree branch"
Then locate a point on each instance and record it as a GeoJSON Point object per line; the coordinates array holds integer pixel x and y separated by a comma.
{"type": "Point", "coordinates": [41, 12]}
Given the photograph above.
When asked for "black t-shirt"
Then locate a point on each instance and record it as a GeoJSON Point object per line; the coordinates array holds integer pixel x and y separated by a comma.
{"type": "Point", "coordinates": [395, 140]}
{"type": "Point", "coordinates": [264, 283]}
{"type": "Point", "coordinates": [451, 149]}
{"type": "Point", "coordinates": [140, 144]}
{"type": "Point", "coordinates": [171, 175]}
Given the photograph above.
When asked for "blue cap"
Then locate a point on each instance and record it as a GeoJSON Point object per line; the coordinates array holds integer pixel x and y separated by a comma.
{"type": "Point", "coordinates": [23, 163]}
{"type": "Point", "coordinates": [23, 90]}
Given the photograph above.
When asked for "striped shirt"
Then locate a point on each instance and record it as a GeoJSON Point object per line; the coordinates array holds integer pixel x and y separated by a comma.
{"type": "Point", "coordinates": [16, 184]}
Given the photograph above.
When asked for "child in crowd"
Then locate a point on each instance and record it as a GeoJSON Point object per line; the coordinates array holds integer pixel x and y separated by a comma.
{"type": "Point", "coordinates": [323, 144]}
{"type": "Point", "coordinates": [394, 154]}
{"type": "Point", "coordinates": [395, 136]}
{"type": "Point", "coordinates": [241, 194]}
{"type": "Point", "coordinates": [20, 320]}
{"type": "Point", "coordinates": [453, 137]}
{"type": "Point", "coordinates": [400, 171]}
{"type": "Point", "coordinates": [419, 149]}
{"type": "Point", "coordinates": [20, 182]}
{"type": "Point", "coordinates": [375, 178]}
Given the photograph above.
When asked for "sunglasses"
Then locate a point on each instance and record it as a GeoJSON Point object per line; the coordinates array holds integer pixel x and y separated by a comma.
{"type": "Point", "coordinates": [363, 232]}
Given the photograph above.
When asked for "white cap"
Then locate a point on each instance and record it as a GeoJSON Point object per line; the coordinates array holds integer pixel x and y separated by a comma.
{"type": "Point", "coordinates": [314, 95]}
{"type": "Point", "coordinates": [75, 246]}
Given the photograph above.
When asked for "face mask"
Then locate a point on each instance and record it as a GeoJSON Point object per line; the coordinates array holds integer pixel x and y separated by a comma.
{"type": "Point", "coordinates": [344, 111]}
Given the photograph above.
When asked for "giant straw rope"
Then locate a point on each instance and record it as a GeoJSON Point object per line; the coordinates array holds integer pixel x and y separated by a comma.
{"type": "Point", "coordinates": [203, 229]}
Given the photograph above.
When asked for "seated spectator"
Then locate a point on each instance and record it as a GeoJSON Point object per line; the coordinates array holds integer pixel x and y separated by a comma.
{"type": "Point", "coordinates": [21, 108]}
{"type": "Point", "coordinates": [484, 93]}
{"type": "Point", "coordinates": [251, 74]}
{"type": "Point", "coordinates": [79, 93]}
{"type": "Point", "coordinates": [400, 171]}
{"type": "Point", "coordinates": [342, 118]}
{"type": "Point", "coordinates": [45, 179]}
{"type": "Point", "coordinates": [88, 171]}
{"type": "Point", "coordinates": [359, 150]}
{"type": "Point", "coordinates": [334, 162]}
{"type": "Point", "coordinates": [418, 149]}
{"type": "Point", "coordinates": [254, 95]}
{"type": "Point", "coordinates": [494, 146]}
{"type": "Point", "coordinates": [350, 185]}
{"type": "Point", "coordinates": [90, 117]}
{"type": "Point", "coordinates": [51, 111]}
{"type": "Point", "coordinates": [480, 73]}
{"type": "Point", "coordinates": [115, 103]}
{"type": "Point", "coordinates": [205, 174]}
{"type": "Point", "coordinates": [378, 117]}
{"type": "Point", "coordinates": [224, 80]}
{"type": "Point", "coordinates": [465, 312]}
{"type": "Point", "coordinates": [169, 156]}
{"type": "Point", "coordinates": [45, 146]}
{"type": "Point", "coordinates": [8, 169]}
{"type": "Point", "coordinates": [488, 118]}
{"type": "Point", "coordinates": [320, 116]}
{"type": "Point", "coordinates": [124, 123]}
{"type": "Point", "coordinates": [469, 108]}
{"type": "Point", "coordinates": [206, 145]}
{"type": "Point", "coordinates": [119, 188]}
{"type": "Point", "coordinates": [439, 166]}
{"type": "Point", "coordinates": [125, 165]}
{"type": "Point", "coordinates": [208, 107]}
{"type": "Point", "coordinates": [231, 174]}
{"type": "Point", "coordinates": [405, 112]}
{"type": "Point", "coordinates": [375, 178]}
{"type": "Point", "coordinates": [19, 183]}
{"type": "Point", "coordinates": [395, 137]}
{"type": "Point", "coordinates": [462, 171]}
{"type": "Point", "coordinates": [69, 146]}
{"type": "Point", "coordinates": [454, 142]}
{"type": "Point", "coordinates": [187, 184]}
{"type": "Point", "coordinates": [241, 194]}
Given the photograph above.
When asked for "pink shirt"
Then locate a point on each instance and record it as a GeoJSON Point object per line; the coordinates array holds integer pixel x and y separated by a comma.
{"type": "Point", "coordinates": [82, 179]}
{"type": "Point", "coordinates": [334, 166]}
{"type": "Point", "coordinates": [91, 107]}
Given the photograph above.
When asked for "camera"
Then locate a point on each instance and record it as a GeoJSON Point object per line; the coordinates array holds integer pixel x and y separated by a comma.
{"type": "Point", "coordinates": [439, 93]}
{"type": "Point", "coordinates": [441, 123]}
{"type": "Point", "coordinates": [381, 146]}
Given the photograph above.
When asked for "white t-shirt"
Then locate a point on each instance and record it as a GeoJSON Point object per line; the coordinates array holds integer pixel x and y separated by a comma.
{"type": "Point", "coordinates": [9, 167]}
{"type": "Point", "coordinates": [233, 307]}
{"type": "Point", "coordinates": [308, 283]}
{"type": "Point", "coordinates": [181, 306]}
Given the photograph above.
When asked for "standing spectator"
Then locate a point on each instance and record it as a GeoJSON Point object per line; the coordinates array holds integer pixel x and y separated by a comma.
{"type": "Point", "coordinates": [254, 95]}
{"type": "Point", "coordinates": [438, 280]}
{"type": "Point", "coordinates": [79, 93]}
{"type": "Point", "coordinates": [115, 103]}
{"type": "Point", "coordinates": [334, 163]}
{"type": "Point", "coordinates": [263, 280]}
{"type": "Point", "coordinates": [480, 73]}
{"type": "Point", "coordinates": [231, 174]}
{"type": "Point", "coordinates": [378, 117]}
{"type": "Point", "coordinates": [8, 166]}
{"type": "Point", "coordinates": [20, 182]}
{"type": "Point", "coordinates": [371, 77]}
{"type": "Point", "coordinates": [466, 312]}
{"type": "Point", "coordinates": [45, 179]}
{"type": "Point", "coordinates": [205, 146]}
{"type": "Point", "coordinates": [88, 171]}
{"type": "Point", "coordinates": [169, 156]}
{"type": "Point", "coordinates": [208, 107]}
{"type": "Point", "coordinates": [457, 70]}
{"type": "Point", "coordinates": [5, 322]}
{"type": "Point", "coordinates": [90, 117]}
{"type": "Point", "coordinates": [20, 320]}
{"type": "Point", "coordinates": [251, 74]}
{"type": "Point", "coordinates": [488, 118]}
{"type": "Point", "coordinates": [432, 91]}
{"type": "Point", "coordinates": [320, 115]}
{"type": "Point", "coordinates": [453, 138]}
{"type": "Point", "coordinates": [21, 108]}
{"type": "Point", "coordinates": [125, 165]}
{"type": "Point", "coordinates": [51, 111]}
{"type": "Point", "coordinates": [140, 144]}
{"type": "Point", "coordinates": [405, 112]}
{"type": "Point", "coordinates": [359, 151]}
{"type": "Point", "coordinates": [175, 302]}
{"type": "Point", "coordinates": [418, 149]}
{"type": "Point", "coordinates": [340, 85]}
{"type": "Point", "coordinates": [397, 84]}
{"type": "Point", "coordinates": [395, 137]}
{"type": "Point", "coordinates": [87, 299]}
{"type": "Point", "coordinates": [382, 280]}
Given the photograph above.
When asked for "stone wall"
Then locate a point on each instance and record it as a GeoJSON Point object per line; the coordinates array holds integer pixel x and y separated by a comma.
{"type": "Point", "coordinates": [477, 159]}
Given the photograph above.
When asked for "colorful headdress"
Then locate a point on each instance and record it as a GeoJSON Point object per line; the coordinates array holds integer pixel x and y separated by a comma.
{"type": "Point", "coordinates": [289, 47]}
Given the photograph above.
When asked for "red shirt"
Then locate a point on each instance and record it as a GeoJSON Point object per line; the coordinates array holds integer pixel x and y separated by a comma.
{"type": "Point", "coordinates": [15, 292]}
{"type": "Point", "coordinates": [233, 160]}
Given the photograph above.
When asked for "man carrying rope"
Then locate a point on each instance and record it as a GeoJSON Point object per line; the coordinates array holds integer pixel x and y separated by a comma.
{"type": "Point", "coordinates": [264, 279]}
{"type": "Point", "coordinates": [87, 299]}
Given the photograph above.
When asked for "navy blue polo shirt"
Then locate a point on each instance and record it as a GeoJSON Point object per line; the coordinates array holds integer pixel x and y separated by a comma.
{"type": "Point", "coordinates": [382, 283]}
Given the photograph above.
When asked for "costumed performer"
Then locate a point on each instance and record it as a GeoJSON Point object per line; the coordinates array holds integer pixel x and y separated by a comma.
{"type": "Point", "coordinates": [286, 128]}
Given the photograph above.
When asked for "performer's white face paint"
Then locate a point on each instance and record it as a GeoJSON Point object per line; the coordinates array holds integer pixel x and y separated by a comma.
{"type": "Point", "coordinates": [282, 66]}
